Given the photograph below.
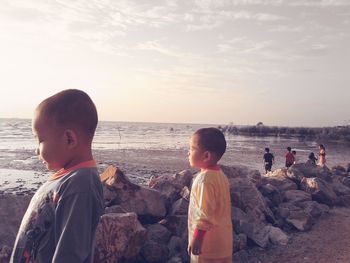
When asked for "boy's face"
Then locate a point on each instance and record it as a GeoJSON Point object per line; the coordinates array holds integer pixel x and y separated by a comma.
{"type": "Point", "coordinates": [196, 155]}
{"type": "Point", "coordinates": [51, 148]}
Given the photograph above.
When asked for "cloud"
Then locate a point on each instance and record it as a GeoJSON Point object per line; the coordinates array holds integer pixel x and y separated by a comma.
{"type": "Point", "coordinates": [285, 28]}
{"type": "Point", "coordinates": [155, 45]}
{"type": "Point", "coordinates": [320, 3]}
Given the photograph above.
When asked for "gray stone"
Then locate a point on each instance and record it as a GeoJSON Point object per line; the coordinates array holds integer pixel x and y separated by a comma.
{"type": "Point", "coordinates": [153, 252]}
{"type": "Point", "coordinates": [148, 204]}
{"type": "Point", "coordinates": [118, 236]}
{"type": "Point", "coordinates": [296, 196]}
{"type": "Point", "coordinates": [180, 207]}
{"type": "Point", "coordinates": [321, 191]}
{"type": "Point", "coordinates": [158, 233]}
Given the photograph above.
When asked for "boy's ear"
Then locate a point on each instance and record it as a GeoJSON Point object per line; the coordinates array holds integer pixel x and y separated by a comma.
{"type": "Point", "coordinates": [71, 138]}
{"type": "Point", "coordinates": [207, 155]}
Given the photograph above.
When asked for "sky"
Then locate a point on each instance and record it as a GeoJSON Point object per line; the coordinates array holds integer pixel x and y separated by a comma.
{"type": "Point", "coordinates": [280, 62]}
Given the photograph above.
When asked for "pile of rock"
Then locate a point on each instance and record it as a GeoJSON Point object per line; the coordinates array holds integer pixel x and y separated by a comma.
{"type": "Point", "coordinates": [264, 210]}
{"type": "Point", "coordinates": [149, 224]}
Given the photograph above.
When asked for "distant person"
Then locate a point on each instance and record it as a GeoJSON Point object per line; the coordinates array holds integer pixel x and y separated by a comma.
{"type": "Point", "coordinates": [60, 222]}
{"type": "Point", "coordinates": [209, 213]}
{"type": "Point", "coordinates": [322, 155]}
{"type": "Point", "coordinates": [295, 156]}
{"type": "Point", "coordinates": [268, 160]}
{"type": "Point", "coordinates": [289, 157]}
{"type": "Point", "coordinates": [312, 159]}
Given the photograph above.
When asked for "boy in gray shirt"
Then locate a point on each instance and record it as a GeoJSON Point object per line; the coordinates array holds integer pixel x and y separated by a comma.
{"type": "Point", "coordinates": [60, 223]}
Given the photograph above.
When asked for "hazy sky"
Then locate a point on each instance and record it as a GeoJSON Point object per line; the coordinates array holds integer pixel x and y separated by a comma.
{"type": "Point", "coordinates": [282, 62]}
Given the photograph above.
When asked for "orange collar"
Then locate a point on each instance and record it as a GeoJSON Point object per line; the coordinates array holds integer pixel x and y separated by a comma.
{"type": "Point", "coordinates": [62, 172]}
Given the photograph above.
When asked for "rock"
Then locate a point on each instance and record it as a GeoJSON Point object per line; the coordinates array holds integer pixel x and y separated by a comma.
{"type": "Point", "coordinates": [339, 170]}
{"type": "Point", "coordinates": [5, 254]}
{"type": "Point", "coordinates": [12, 209]}
{"type": "Point", "coordinates": [296, 196]}
{"type": "Point", "coordinates": [320, 190]}
{"type": "Point", "coordinates": [180, 207]}
{"type": "Point", "coordinates": [118, 236]}
{"type": "Point", "coordinates": [185, 193]}
{"type": "Point", "coordinates": [239, 242]}
{"type": "Point", "coordinates": [175, 259]}
{"type": "Point", "coordinates": [300, 220]}
{"type": "Point", "coordinates": [277, 236]}
{"type": "Point", "coordinates": [158, 233]}
{"type": "Point", "coordinates": [259, 234]}
{"type": "Point", "coordinates": [304, 170]}
{"type": "Point", "coordinates": [346, 181]}
{"type": "Point", "coordinates": [171, 186]}
{"type": "Point", "coordinates": [272, 193]}
{"type": "Point", "coordinates": [175, 246]}
{"type": "Point", "coordinates": [114, 209]}
{"type": "Point", "coordinates": [295, 216]}
{"type": "Point", "coordinates": [246, 196]}
{"type": "Point", "coordinates": [338, 187]}
{"type": "Point", "coordinates": [153, 252]}
{"type": "Point", "coordinates": [148, 204]}
{"type": "Point", "coordinates": [176, 224]}
{"type": "Point", "coordinates": [240, 171]}
{"type": "Point", "coordinates": [314, 208]}
{"type": "Point", "coordinates": [280, 180]}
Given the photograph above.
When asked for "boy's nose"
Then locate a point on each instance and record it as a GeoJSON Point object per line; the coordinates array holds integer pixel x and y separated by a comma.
{"type": "Point", "coordinates": [37, 151]}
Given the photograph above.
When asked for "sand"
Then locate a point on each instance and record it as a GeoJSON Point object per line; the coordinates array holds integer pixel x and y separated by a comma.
{"type": "Point", "coordinates": [327, 242]}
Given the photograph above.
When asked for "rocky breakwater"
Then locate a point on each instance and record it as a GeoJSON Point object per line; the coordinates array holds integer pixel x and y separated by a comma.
{"type": "Point", "coordinates": [149, 223]}
{"type": "Point", "coordinates": [265, 209]}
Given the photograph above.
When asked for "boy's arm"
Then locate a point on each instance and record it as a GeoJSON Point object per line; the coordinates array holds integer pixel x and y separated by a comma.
{"type": "Point", "coordinates": [196, 244]}
{"type": "Point", "coordinates": [73, 228]}
{"type": "Point", "coordinates": [205, 198]}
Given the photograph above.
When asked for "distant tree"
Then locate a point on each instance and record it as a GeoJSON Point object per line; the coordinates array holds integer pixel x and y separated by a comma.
{"type": "Point", "coordinates": [260, 124]}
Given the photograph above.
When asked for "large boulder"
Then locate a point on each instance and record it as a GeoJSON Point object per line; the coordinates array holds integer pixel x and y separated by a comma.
{"type": "Point", "coordinates": [12, 209]}
{"type": "Point", "coordinates": [320, 190]}
{"type": "Point", "coordinates": [148, 204]}
{"type": "Point", "coordinates": [240, 171]}
{"type": "Point", "coordinates": [301, 170]}
{"type": "Point", "coordinates": [296, 196]}
{"type": "Point", "coordinates": [171, 186]}
{"type": "Point", "coordinates": [246, 196]}
{"type": "Point", "coordinates": [118, 236]}
{"type": "Point", "coordinates": [292, 215]}
{"type": "Point", "coordinates": [272, 193]}
{"type": "Point", "coordinates": [280, 180]}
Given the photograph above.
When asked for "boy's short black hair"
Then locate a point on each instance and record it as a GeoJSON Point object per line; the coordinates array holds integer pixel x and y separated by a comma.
{"type": "Point", "coordinates": [213, 140]}
{"type": "Point", "coordinates": [289, 149]}
{"type": "Point", "coordinates": [267, 149]}
{"type": "Point", "coordinates": [72, 107]}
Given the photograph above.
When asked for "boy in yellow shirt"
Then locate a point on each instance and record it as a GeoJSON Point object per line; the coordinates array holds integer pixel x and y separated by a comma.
{"type": "Point", "coordinates": [209, 214]}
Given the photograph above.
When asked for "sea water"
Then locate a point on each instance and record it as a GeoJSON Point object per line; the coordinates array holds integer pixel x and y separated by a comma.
{"type": "Point", "coordinates": [18, 162]}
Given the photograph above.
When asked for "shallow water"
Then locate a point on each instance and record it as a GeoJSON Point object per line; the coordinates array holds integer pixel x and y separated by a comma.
{"type": "Point", "coordinates": [145, 149]}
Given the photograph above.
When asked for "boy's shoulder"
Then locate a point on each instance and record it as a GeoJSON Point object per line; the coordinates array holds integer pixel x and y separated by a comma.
{"type": "Point", "coordinates": [81, 180]}
{"type": "Point", "coordinates": [208, 176]}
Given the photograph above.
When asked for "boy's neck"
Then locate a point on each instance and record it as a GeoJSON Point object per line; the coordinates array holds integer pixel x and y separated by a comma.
{"type": "Point", "coordinates": [83, 157]}
{"type": "Point", "coordinates": [214, 167]}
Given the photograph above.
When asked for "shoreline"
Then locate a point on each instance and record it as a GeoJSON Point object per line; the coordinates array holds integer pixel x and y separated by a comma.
{"type": "Point", "coordinates": [22, 172]}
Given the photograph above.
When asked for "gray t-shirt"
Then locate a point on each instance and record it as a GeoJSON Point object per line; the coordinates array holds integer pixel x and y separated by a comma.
{"type": "Point", "coordinates": [60, 222]}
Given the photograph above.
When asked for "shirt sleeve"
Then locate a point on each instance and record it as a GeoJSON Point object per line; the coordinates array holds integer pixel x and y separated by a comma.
{"type": "Point", "coordinates": [73, 228]}
{"type": "Point", "coordinates": [205, 198]}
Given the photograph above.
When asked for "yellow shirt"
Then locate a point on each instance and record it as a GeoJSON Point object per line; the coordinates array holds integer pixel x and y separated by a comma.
{"type": "Point", "coordinates": [210, 210]}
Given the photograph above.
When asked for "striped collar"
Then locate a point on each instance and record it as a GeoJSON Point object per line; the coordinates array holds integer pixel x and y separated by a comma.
{"type": "Point", "coordinates": [63, 172]}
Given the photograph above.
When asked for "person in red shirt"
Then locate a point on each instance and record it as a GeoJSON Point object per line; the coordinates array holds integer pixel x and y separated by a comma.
{"type": "Point", "coordinates": [289, 157]}
{"type": "Point", "coordinates": [322, 155]}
